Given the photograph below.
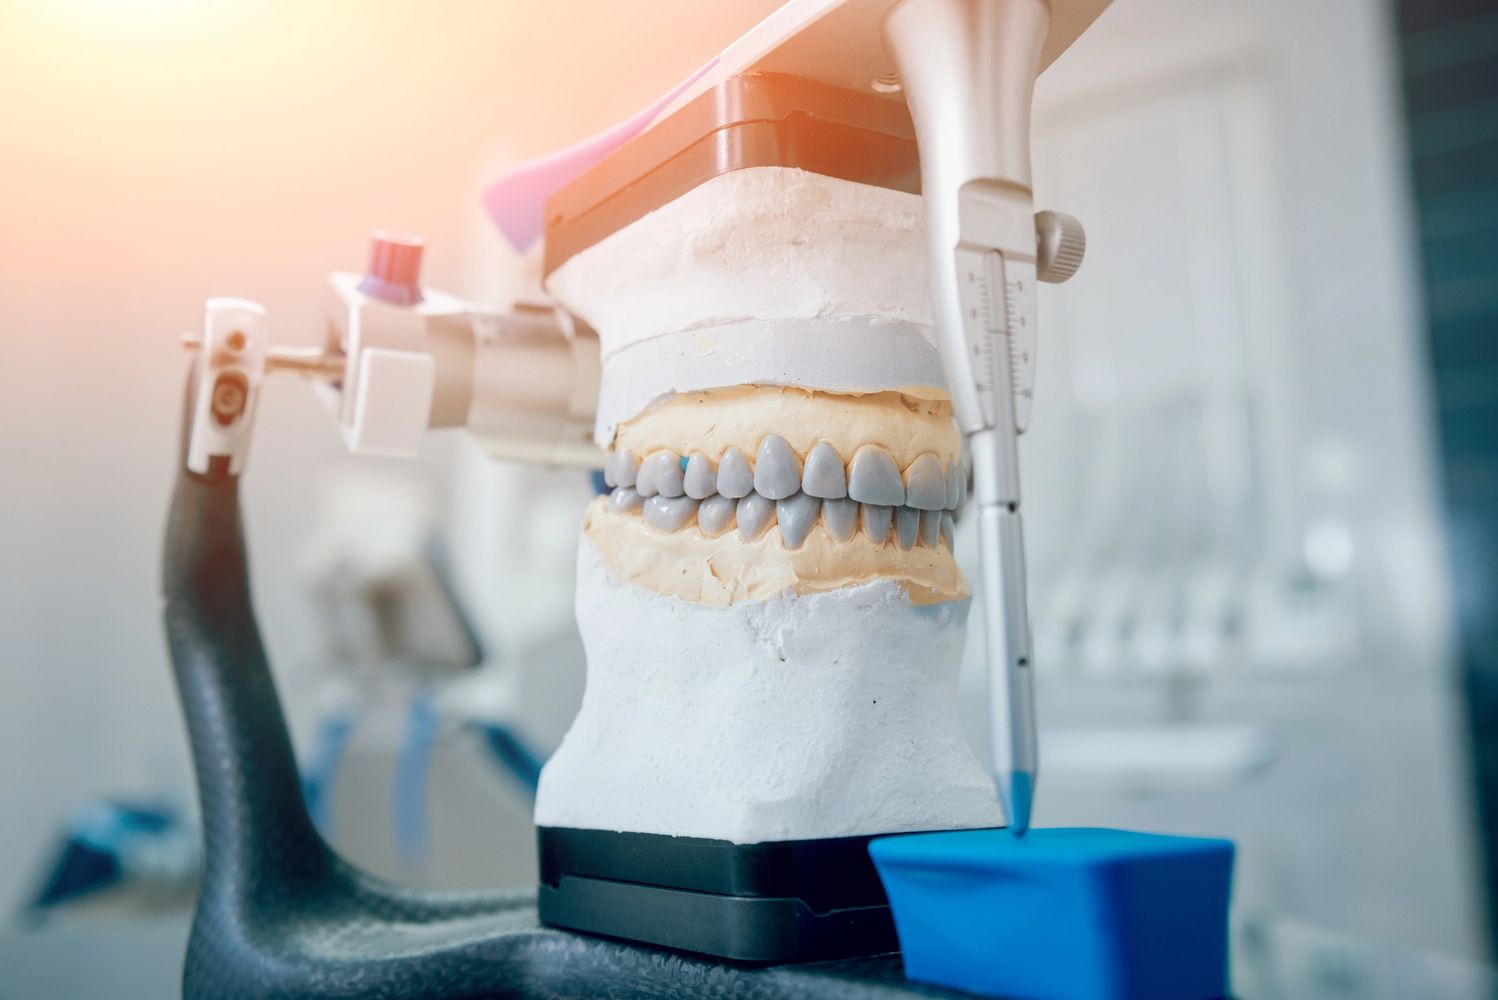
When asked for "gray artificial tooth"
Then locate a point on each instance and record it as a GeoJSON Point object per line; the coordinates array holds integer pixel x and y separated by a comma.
{"type": "Point", "coordinates": [626, 467]}
{"type": "Point", "coordinates": [754, 513]}
{"type": "Point", "coordinates": [777, 470]}
{"type": "Point", "coordinates": [824, 475]}
{"type": "Point", "coordinates": [840, 516]}
{"type": "Point", "coordinates": [873, 477]}
{"type": "Point", "coordinates": [876, 520]}
{"type": "Point", "coordinates": [700, 481]}
{"type": "Point", "coordinates": [715, 515]}
{"type": "Point", "coordinates": [955, 486]}
{"type": "Point", "coordinates": [930, 528]}
{"type": "Point", "coordinates": [965, 472]}
{"type": "Point", "coordinates": [623, 467]}
{"type": "Point", "coordinates": [645, 480]}
{"type": "Point", "coordinates": [907, 526]}
{"type": "Point", "coordinates": [948, 530]}
{"type": "Point", "coordinates": [926, 484]}
{"type": "Point", "coordinates": [625, 499]}
{"type": "Point", "coordinates": [665, 513]}
{"type": "Point", "coordinates": [664, 471]}
{"type": "Point", "coordinates": [795, 515]}
{"type": "Point", "coordinates": [735, 474]}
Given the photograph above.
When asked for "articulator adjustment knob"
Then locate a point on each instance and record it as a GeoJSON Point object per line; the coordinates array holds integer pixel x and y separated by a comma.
{"type": "Point", "coordinates": [394, 268]}
{"type": "Point", "coordinates": [1060, 245]}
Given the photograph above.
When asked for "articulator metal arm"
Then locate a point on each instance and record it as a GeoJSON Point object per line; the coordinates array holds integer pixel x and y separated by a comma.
{"type": "Point", "coordinates": [398, 360]}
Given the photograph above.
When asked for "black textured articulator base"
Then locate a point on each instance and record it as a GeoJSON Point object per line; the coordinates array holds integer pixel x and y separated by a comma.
{"type": "Point", "coordinates": [787, 901]}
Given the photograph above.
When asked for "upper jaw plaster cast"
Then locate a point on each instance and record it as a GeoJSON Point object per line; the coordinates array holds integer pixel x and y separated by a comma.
{"type": "Point", "coordinates": [772, 615]}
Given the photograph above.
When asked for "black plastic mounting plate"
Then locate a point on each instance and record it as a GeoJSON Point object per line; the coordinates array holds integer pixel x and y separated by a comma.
{"type": "Point", "coordinates": [784, 901]}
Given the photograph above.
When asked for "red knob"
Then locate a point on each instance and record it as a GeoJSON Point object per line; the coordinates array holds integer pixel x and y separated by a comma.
{"type": "Point", "coordinates": [394, 268]}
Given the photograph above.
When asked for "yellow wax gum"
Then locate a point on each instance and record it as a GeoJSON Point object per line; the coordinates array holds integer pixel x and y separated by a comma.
{"type": "Point", "coordinates": [712, 421]}
{"type": "Point", "coordinates": [726, 570]}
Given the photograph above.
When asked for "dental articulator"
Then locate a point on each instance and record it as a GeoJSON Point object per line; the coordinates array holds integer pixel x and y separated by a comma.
{"type": "Point", "coordinates": [792, 317]}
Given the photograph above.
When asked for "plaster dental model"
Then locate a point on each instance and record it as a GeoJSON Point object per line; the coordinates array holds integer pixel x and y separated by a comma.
{"type": "Point", "coordinates": [772, 614]}
{"type": "Point", "coordinates": [757, 285]}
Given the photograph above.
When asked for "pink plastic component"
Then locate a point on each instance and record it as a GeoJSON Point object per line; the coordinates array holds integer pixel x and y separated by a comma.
{"type": "Point", "coordinates": [517, 200]}
{"type": "Point", "coordinates": [394, 268]}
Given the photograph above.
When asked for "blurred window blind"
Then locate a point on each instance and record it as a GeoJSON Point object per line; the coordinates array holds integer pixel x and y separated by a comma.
{"type": "Point", "coordinates": [1449, 52]}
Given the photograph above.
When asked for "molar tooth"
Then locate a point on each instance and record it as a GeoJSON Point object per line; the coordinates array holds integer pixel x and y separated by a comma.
{"type": "Point", "coordinates": [627, 467]}
{"type": "Point", "coordinates": [715, 515]}
{"type": "Point", "coordinates": [965, 473]}
{"type": "Point", "coordinates": [700, 480]}
{"type": "Point", "coordinates": [622, 467]}
{"type": "Point", "coordinates": [625, 499]}
{"type": "Point", "coordinates": [665, 513]}
{"type": "Point", "coordinates": [876, 518]}
{"type": "Point", "coordinates": [777, 470]}
{"type": "Point", "coordinates": [841, 517]}
{"type": "Point", "coordinates": [795, 515]}
{"type": "Point", "coordinates": [955, 485]}
{"type": "Point", "coordinates": [824, 475]}
{"type": "Point", "coordinates": [873, 477]}
{"type": "Point", "coordinates": [931, 528]}
{"type": "Point", "coordinates": [948, 530]}
{"type": "Point", "coordinates": [907, 526]}
{"type": "Point", "coordinates": [964, 489]}
{"type": "Point", "coordinates": [754, 512]}
{"type": "Point", "coordinates": [925, 485]}
{"type": "Point", "coordinates": [662, 470]}
{"type": "Point", "coordinates": [735, 475]}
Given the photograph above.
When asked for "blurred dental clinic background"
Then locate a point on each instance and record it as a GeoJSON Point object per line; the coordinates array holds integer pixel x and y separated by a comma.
{"type": "Point", "coordinates": [1262, 470]}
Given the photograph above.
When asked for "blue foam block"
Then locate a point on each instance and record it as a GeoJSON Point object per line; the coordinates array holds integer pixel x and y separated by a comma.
{"type": "Point", "coordinates": [1062, 914]}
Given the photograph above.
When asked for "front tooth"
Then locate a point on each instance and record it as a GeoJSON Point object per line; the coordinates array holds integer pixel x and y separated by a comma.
{"type": "Point", "coordinates": [876, 520]}
{"type": "Point", "coordinates": [955, 485]}
{"type": "Point", "coordinates": [824, 476]}
{"type": "Point", "coordinates": [645, 480]}
{"type": "Point", "coordinates": [624, 499]}
{"type": "Point", "coordinates": [735, 475]}
{"type": "Point", "coordinates": [907, 526]}
{"type": "Point", "coordinates": [669, 513]}
{"type": "Point", "coordinates": [777, 470]}
{"type": "Point", "coordinates": [925, 484]}
{"type": "Point", "coordinates": [664, 471]}
{"type": "Point", "coordinates": [931, 528]}
{"type": "Point", "coordinates": [700, 480]}
{"type": "Point", "coordinates": [841, 517]}
{"type": "Point", "coordinates": [715, 515]}
{"type": "Point", "coordinates": [795, 515]}
{"type": "Point", "coordinates": [873, 477]}
{"type": "Point", "coordinates": [754, 513]}
{"type": "Point", "coordinates": [948, 527]}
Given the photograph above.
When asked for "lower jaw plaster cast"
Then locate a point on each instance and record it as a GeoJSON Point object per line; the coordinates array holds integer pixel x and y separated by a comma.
{"type": "Point", "coordinates": [772, 615]}
{"type": "Point", "coordinates": [794, 717]}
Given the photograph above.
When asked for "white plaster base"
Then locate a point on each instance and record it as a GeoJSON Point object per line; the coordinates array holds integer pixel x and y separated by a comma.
{"type": "Point", "coordinates": [764, 243]}
{"type": "Point", "coordinates": [850, 354]}
{"type": "Point", "coordinates": [824, 715]}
